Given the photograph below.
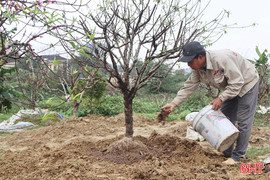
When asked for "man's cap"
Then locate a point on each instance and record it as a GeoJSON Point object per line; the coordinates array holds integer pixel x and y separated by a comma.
{"type": "Point", "coordinates": [190, 51]}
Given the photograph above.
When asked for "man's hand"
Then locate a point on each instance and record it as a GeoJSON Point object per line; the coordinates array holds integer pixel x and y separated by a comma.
{"type": "Point", "coordinates": [165, 111]}
{"type": "Point", "coordinates": [168, 108]}
{"type": "Point", "coordinates": [217, 103]}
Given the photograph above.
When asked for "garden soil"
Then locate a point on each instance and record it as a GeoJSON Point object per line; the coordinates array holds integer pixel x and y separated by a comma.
{"type": "Point", "coordinates": [94, 147]}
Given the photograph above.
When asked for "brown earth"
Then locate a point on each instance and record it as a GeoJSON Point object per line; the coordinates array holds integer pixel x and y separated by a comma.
{"type": "Point", "coordinates": [94, 147]}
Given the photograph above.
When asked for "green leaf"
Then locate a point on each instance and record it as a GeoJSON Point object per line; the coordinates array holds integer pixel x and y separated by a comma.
{"type": "Point", "coordinates": [74, 20]}
{"type": "Point", "coordinates": [92, 37]}
{"type": "Point", "coordinates": [77, 95]}
{"type": "Point", "coordinates": [258, 51]}
{"type": "Point", "coordinates": [56, 62]}
{"type": "Point", "coordinates": [72, 44]}
{"type": "Point", "coordinates": [83, 53]}
{"type": "Point", "coordinates": [69, 90]}
{"type": "Point", "coordinates": [70, 31]}
{"type": "Point", "coordinates": [48, 116]}
{"type": "Point", "coordinates": [228, 13]}
{"type": "Point", "coordinates": [75, 71]}
{"type": "Point", "coordinates": [49, 100]}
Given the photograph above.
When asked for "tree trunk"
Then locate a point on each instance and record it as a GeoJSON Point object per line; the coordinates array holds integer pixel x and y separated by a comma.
{"type": "Point", "coordinates": [33, 106]}
{"type": "Point", "coordinates": [75, 109]}
{"type": "Point", "coordinates": [128, 116]}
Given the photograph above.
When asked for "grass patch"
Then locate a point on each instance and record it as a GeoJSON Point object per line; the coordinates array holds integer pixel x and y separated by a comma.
{"type": "Point", "coordinates": [258, 151]}
{"type": "Point", "coordinates": [4, 117]}
{"type": "Point", "coordinates": [171, 117]}
{"type": "Point", "coordinates": [262, 120]}
{"type": "Point", "coordinates": [3, 133]}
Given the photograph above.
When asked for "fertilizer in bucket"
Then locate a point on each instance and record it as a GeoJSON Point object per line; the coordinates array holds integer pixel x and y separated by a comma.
{"type": "Point", "coordinates": [215, 128]}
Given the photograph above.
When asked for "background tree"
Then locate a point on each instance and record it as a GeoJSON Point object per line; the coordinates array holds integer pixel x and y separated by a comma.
{"type": "Point", "coordinates": [21, 23]}
{"type": "Point", "coordinates": [262, 66]}
{"type": "Point", "coordinates": [153, 32]}
{"type": "Point", "coordinates": [24, 23]}
{"type": "Point", "coordinates": [166, 82]}
{"type": "Point", "coordinates": [16, 36]}
{"type": "Point", "coordinates": [5, 91]}
{"type": "Point", "coordinates": [79, 81]}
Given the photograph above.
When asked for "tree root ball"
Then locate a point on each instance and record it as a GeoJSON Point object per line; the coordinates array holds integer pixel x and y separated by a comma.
{"type": "Point", "coordinates": [127, 144]}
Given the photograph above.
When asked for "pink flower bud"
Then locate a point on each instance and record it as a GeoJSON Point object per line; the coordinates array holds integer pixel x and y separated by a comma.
{"type": "Point", "coordinates": [39, 3]}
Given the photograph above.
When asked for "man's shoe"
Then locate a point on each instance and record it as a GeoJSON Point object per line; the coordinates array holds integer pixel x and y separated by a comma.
{"type": "Point", "coordinates": [230, 161]}
{"type": "Point", "coordinates": [223, 154]}
{"type": "Point", "coordinates": [220, 153]}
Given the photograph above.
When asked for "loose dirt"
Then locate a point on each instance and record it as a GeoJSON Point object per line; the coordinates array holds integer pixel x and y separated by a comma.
{"type": "Point", "coordinates": [94, 147]}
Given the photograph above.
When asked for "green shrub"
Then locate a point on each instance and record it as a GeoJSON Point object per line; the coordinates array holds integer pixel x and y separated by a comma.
{"type": "Point", "coordinates": [6, 115]}
{"type": "Point", "coordinates": [92, 96]}
{"type": "Point", "coordinates": [56, 105]}
{"type": "Point", "coordinates": [40, 119]}
{"type": "Point", "coordinates": [144, 105]}
{"type": "Point", "coordinates": [196, 102]}
{"type": "Point", "coordinates": [184, 113]}
{"type": "Point", "coordinates": [111, 105]}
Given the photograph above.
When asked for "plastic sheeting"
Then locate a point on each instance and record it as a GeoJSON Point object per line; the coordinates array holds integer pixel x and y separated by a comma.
{"type": "Point", "coordinates": [191, 133]}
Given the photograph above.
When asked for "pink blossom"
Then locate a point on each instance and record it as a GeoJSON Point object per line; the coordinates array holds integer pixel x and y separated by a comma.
{"type": "Point", "coordinates": [7, 45]}
{"type": "Point", "coordinates": [39, 3]}
{"type": "Point", "coordinates": [8, 50]}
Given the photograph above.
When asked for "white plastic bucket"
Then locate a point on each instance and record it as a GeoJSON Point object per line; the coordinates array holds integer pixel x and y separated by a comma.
{"type": "Point", "coordinates": [215, 128]}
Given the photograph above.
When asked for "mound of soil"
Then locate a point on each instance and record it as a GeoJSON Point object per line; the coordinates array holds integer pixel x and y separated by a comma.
{"type": "Point", "coordinates": [94, 147]}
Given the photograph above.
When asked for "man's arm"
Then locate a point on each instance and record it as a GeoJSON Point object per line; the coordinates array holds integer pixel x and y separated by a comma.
{"type": "Point", "coordinates": [190, 86]}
